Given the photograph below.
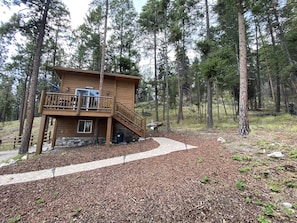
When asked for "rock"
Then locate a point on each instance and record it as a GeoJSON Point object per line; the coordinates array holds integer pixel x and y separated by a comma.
{"type": "Point", "coordinates": [25, 157]}
{"type": "Point", "coordinates": [11, 161]}
{"type": "Point", "coordinates": [287, 205]}
{"type": "Point", "coordinates": [221, 140]}
{"type": "Point", "coordinates": [276, 155]}
{"type": "Point", "coordinates": [3, 164]}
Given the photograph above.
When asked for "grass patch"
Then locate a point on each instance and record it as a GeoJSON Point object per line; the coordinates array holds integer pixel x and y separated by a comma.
{"type": "Point", "coordinates": [291, 184]}
{"type": "Point", "coordinates": [200, 159]}
{"type": "Point", "coordinates": [262, 219]}
{"type": "Point", "coordinates": [293, 154]}
{"type": "Point", "coordinates": [14, 219]}
{"type": "Point", "coordinates": [241, 158]}
{"type": "Point", "coordinates": [237, 157]}
{"type": "Point", "coordinates": [204, 180]}
{"type": "Point", "coordinates": [269, 209]}
{"type": "Point", "coordinates": [240, 185]}
{"type": "Point", "coordinates": [275, 188]}
{"type": "Point", "coordinates": [40, 201]}
{"type": "Point", "coordinates": [244, 170]}
{"type": "Point", "coordinates": [289, 212]}
{"type": "Point", "coordinates": [248, 200]}
{"type": "Point", "coordinates": [76, 212]}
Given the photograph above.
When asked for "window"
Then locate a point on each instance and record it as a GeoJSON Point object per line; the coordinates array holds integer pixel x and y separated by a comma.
{"type": "Point", "coordinates": [84, 126]}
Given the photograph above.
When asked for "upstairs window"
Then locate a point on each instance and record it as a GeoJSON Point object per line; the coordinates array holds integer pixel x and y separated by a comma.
{"type": "Point", "coordinates": [84, 126]}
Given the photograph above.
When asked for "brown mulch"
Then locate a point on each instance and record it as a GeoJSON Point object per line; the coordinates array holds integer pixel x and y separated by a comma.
{"type": "Point", "coordinates": [197, 185]}
{"type": "Point", "coordinates": [71, 156]}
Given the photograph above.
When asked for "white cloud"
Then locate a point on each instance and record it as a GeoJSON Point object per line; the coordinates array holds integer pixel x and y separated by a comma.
{"type": "Point", "coordinates": [78, 10]}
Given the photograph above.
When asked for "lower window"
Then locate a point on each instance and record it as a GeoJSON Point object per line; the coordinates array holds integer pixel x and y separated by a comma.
{"type": "Point", "coordinates": [84, 126]}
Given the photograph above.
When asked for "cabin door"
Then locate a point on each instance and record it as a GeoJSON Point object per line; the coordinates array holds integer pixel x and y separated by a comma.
{"type": "Point", "coordinates": [85, 97]}
{"type": "Point", "coordinates": [89, 98]}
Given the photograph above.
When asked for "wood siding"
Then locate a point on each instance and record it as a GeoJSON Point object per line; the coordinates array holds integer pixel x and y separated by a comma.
{"type": "Point", "coordinates": [74, 81]}
{"type": "Point", "coordinates": [125, 93]}
{"type": "Point", "coordinates": [123, 89]}
{"type": "Point", "coordinates": [67, 127]}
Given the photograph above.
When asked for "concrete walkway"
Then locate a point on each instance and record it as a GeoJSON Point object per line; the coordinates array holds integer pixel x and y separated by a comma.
{"type": "Point", "coordinates": [166, 146]}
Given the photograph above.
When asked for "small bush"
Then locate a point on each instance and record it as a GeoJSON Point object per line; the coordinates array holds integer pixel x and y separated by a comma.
{"type": "Point", "coordinates": [15, 219]}
{"type": "Point", "coordinates": [262, 219]}
{"type": "Point", "coordinates": [237, 157]}
{"type": "Point", "coordinates": [240, 185]}
{"type": "Point", "coordinates": [293, 154]}
{"type": "Point", "coordinates": [40, 201]}
{"type": "Point", "coordinates": [269, 209]}
{"type": "Point", "coordinates": [204, 180]}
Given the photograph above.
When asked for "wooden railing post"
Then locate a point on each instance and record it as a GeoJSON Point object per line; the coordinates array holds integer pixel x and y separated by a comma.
{"type": "Point", "coordinates": [79, 102]}
{"type": "Point", "coordinates": [113, 108]}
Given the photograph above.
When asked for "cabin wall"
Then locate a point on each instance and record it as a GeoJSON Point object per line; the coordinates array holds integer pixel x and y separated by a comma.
{"type": "Point", "coordinates": [67, 134]}
{"type": "Point", "coordinates": [123, 89]}
{"type": "Point", "coordinates": [70, 82]}
{"type": "Point", "coordinates": [125, 93]}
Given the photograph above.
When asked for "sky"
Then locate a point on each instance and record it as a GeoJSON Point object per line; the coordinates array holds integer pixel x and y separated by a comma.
{"type": "Point", "coordinates": [80, 7]}
{"type": "Point", "coordinates": [77, 8]}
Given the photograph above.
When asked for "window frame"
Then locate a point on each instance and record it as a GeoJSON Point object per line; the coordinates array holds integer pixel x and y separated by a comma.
{"type": "Point", "coordinates": [85, 126]}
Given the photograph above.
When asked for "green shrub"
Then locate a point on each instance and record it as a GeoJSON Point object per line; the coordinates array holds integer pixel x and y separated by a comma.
{"type": "Point", "coordinates": [240, 185]}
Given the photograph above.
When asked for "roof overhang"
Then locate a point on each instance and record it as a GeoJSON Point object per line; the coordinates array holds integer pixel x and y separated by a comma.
{"type": "Point", "coordinates": [62, 70]}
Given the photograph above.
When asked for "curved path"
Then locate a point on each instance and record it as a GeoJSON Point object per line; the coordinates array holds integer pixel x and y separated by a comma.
{"type": "Point", "coordinates": [166, 146]}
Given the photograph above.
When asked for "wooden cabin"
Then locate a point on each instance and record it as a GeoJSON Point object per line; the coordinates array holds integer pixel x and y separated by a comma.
{"type": "Point", "coordinates": [83, 116]}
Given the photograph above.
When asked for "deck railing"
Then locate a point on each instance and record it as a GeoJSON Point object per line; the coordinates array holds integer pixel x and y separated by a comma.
{"type": "Point", "coordinates": [131, 118]}
{"type": "Point", "coordinates": [50, 100]}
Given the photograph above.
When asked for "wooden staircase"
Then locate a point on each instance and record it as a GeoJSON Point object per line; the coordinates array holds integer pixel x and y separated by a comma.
{"type": "Point", "coordinates": [130, 119]}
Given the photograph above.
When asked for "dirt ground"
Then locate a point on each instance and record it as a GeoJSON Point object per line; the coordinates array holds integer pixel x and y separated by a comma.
{"type": "Point", "coordinates": [233, 181]}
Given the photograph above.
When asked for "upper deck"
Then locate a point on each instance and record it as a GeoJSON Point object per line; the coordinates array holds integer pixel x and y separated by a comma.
{"type": "Point", "coordinates": [61, 104]}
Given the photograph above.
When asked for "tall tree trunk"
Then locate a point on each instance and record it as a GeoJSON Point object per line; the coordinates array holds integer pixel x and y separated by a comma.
{"type": "Point", "coordinates": [281, 32]}
{"type": "Point", "coordinates": [103, 51]}
{"type": "Point", "coordinates": [258, 79]}
{"type": "Point", "coordinates": [267, 67]}
{"type": "Point", "coordinates": [23, 106]}
{"type": "Point", "coordinates": [180, 93]}
{"type": "Point", "coordinates": [243, 92]}
{"type": "Point", "coordinates": [33, 83]}
{"type": "Point", "coordinates": [156, 77]}
{"type": "Point", "coordinates": [276, 70]}
{"type": "Point", "coordinates": [218, 102]}
{"type": "Point", "coordinates": [102, 64]}
{"type": "Point", "coordinates": [209, 105]}
{"type": "Point", "coordinates": [209, 81]}
{"type": "Point", "coordinates": [167, 84]}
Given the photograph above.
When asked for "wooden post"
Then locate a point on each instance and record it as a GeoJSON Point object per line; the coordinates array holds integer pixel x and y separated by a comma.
{"type": "Point", "coordinates": [55, 133]}
{"type": "Point", "coordinates": [144, 128]}
{"type": "Point", "coordinates": [41, 134]}
{"type": "Point", "coordinates": [108, 131]}
{"type": "Point", "coordinates": [79, 102]}
{"type": "Point", "coordinates": [113, 105]}
{"type": "Point", "coordinates": [41, 103]}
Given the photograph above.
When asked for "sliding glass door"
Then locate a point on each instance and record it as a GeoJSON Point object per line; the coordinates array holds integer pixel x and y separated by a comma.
{"type": "Point", "coordinates": [89, 98]}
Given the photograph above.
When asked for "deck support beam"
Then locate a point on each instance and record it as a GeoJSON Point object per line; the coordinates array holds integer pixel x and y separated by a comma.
{"type": "Point", "coordinates": [54, 138]}
{"type": "Point", "coordinates": [41, 134]}
{"type": "Point", "coordinates": [108, 131]}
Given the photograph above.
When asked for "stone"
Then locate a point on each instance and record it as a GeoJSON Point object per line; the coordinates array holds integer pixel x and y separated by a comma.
{"type": "Point", "coordinates": [276, 155]}
{"type": "Point", "coordinates": [3, 164]}
{"type": "Point", "coordinates": [287, 205]}
{"type": "Point", "coordinates": [221, 140]}
{"type": "Point", "coordinates": [11, 161]}
{"type": "Point", "coordinates": [25, 157]}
